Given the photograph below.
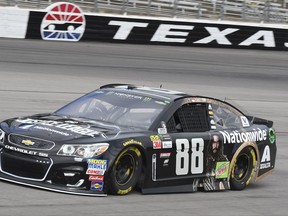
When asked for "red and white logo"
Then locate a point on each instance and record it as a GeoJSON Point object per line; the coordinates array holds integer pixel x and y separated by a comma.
{"type": "Point", "coordinates": [96, 178]}
{"type": "Point", "coordinates": [157, 144]}
{"type": "Point", "coordinates": [64, 21]}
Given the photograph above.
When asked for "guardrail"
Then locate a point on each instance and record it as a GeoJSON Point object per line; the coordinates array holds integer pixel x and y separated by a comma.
{"type": "Point", "coordinates": [265, 11]}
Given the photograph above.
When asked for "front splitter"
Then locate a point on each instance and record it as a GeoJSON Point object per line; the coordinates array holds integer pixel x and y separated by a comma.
{"type": "Point", "coordinates": [51, 187]}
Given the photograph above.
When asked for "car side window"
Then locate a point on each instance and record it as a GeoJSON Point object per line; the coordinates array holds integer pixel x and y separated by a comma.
{"type": "Point", "coordinates": [191, 117]}
{"type": "Point", "coordinates": [226, 116]}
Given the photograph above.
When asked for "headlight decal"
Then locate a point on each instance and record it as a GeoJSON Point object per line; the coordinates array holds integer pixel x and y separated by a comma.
{"type": "Point", "coordinates": [2, 136]}
{"type": "Point", "coordinates": [83, 150]}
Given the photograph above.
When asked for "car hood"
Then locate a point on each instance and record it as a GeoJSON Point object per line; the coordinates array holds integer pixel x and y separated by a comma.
{"type": "Point", "coordinates": [63, 129]}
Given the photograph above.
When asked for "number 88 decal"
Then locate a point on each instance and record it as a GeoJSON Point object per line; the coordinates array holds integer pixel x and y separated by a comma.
{"type": "Point", "coordinates": [183, 157]}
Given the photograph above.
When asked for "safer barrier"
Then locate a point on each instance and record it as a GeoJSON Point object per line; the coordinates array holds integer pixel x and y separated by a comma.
{"type": "Point", "coordinates": [67, 22]}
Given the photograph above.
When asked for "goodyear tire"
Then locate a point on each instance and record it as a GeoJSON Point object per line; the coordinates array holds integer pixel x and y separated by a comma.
{"type": "Point", "coordinates": [243, 169]}
{"type": "Point", "coordinates": [126, 171]}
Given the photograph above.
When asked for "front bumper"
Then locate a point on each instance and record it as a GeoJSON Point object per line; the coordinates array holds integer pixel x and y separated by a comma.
{"type": "Point", "coordinates": [54, 174]}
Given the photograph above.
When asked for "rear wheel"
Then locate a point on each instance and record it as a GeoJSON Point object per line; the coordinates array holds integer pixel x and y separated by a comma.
{"type": "Point", "coordinates": [126, 171]}
{"type": "Point", "coordinates": [243, 169]}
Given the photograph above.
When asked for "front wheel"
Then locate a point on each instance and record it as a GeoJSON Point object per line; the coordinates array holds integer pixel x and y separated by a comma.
{"type": "Point", "coordinates": [126, 171]}
{"type": "Point", "coordinates": [243, 168]}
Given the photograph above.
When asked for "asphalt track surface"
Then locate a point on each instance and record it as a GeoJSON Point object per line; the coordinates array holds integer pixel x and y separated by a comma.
{"type": "Point", "coordinates": [38, 76]}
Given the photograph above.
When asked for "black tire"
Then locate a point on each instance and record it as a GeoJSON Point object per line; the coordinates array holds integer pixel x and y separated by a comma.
{"type": "Point", "coordinates": [243, 169]}
{"type": "Point", "coordinates": [125, 171]}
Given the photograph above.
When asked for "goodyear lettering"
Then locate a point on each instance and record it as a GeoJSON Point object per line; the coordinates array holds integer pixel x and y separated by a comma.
{"type": "Point", "coordinates": [132, 141]}
{"type": "Point", "coordinates": [122, 192]}
{"type": "Point", "coordinates": [240, 137]}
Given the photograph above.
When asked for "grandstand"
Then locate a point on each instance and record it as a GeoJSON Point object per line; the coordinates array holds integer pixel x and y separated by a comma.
{"type": "Point", "coordinates": [265, 11]}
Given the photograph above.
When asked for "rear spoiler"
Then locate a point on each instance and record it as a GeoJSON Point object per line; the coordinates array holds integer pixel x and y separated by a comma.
{"type": "Point", "coordinates": [256, 120]}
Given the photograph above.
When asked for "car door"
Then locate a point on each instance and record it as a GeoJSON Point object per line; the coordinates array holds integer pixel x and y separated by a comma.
{"type": "Point", "coordinates": [184, 146]}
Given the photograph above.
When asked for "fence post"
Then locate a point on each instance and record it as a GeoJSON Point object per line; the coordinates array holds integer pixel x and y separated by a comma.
{"type": "Point", "coordinates": [148, 7]}
{"type": "Point", "coordinates": [222, 10]}
{"type": "Point", "coordinates": [175, 8]}
{"type": "Point", "coordinates": [244, 10]}
{"type": "Point", "coordinates": [266, 12]}
{"type": "Point", "coordinates": [95, 6]}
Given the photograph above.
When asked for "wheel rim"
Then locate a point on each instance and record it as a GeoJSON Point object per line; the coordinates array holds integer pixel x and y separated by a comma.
{"type": "Point", "coordinates": [125, 169]}
{"type": "Point", "coordinates": [241, 167]}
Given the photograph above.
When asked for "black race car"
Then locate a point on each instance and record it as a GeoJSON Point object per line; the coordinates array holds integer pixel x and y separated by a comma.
{"type": "Point", "coordinates": [122, 137]}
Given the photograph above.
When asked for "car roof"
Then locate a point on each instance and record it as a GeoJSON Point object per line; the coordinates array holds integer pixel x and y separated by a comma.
{"type": "Point", "coordinates": [159, 93]}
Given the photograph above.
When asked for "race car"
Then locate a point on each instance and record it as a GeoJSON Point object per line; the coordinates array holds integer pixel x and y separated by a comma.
{"type": "Point", "coordinates": [122, 137]}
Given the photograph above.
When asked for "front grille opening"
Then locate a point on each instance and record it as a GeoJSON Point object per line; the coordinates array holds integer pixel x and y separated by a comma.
{"type": "Point", "coordinates": [26, 166]}
{"type": "Point", "coordinates": [35, 142]}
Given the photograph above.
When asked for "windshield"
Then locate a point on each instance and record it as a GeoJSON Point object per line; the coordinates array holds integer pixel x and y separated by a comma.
{"type": "Point", "coordinates": [119, 108]}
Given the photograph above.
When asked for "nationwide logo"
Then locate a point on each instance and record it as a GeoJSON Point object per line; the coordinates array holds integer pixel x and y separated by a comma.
{"type": "Point", "coordinates": [63, 22]}
{"type": "Point", "coordinates": [240, 137]}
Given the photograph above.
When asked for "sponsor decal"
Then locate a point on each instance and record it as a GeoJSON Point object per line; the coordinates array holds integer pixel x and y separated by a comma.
{"type": "Point", "coordinates": [265, 165]}
{"type": "Point", "coordinates": [96, 178]}
{"type": "Point", "coordinates": [128, 96]}
{"type": "Point", "coordinates": [266, 158]}
{"type": "Point", "coordinates": [97, 186]}
{"type": "Point", "coordinates": [63, 21]}
{"type": "Point", "coordinates": [166, 162]}
{"type": "Point", "coordinates": [24, 151]}
{"type": "Point", "coordinates": [209, 107]}
{"type": "Point", "coordinates": [154, 138]}
{"type": "Point", "coordinates": [165, 137]}
{"type": "Point", "coordinates": [100, 162]}
{"type": "Point", "coordinates": [245, 122]}
{"type": "Point", "coordinates": [162, 130]}
{"type": "Point", "coordinates": [240, 137]}
{"type": "Point", "coordinates": [96, 166]}
{"type": "Point", "coordinates": [157, 144]}
{"type": "Point", "coordinates": [78, 129]}
{"type": "Point", "coordinates": [211, 112]}
{"type": "Point", "coordinates": [27, 142]}
{"type": "Point", "coordinates": [166, 144]}
{"type": "Point", "coordinates": [222, 169]}
{"type": "Point", "coordinates": [272, 135]}
{"type": "Point", "coordinates": [95, 172]}
{"type": "Point", "coordinates": [212, 122]}
{"type": "Point", "coordinates": [132, 141]}
{"type": "Point", "coordinates": [165, 155]}
{"type": "Point", "coordinates": [51, 130]}
{"type": "Point", "coordinates": [213, 127]}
